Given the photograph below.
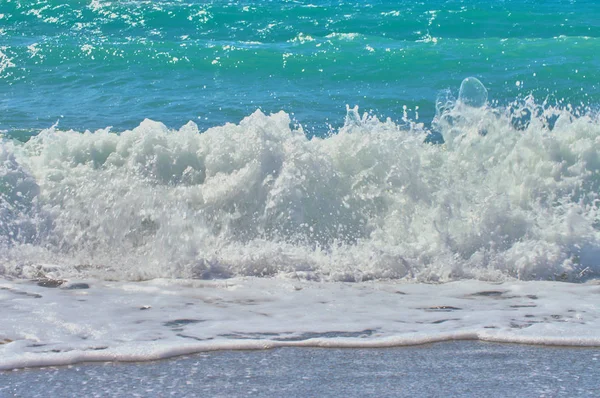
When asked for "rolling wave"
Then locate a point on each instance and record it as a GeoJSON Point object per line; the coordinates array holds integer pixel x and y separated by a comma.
{"type": "Point", "coordinates": [512, 193]}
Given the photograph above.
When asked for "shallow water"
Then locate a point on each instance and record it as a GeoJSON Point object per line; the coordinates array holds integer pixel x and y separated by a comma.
{"type": "Point", "coordinates": [458, 369]}
{"type": "Point", "coordinates": [139, 321]}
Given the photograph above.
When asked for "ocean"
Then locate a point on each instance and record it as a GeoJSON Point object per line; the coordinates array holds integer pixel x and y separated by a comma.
{"type": "Point", "coordinates": [180, 176]}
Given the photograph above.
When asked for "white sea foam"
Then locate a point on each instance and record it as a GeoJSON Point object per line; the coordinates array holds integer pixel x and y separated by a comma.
{"type": "Point", "coordinates": [133, 321]}
{"type": "Point", "coordinates": [513, 193]}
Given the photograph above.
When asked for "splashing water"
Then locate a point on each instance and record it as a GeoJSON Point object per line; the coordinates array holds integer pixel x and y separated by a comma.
{"type": "Point", "coordinates": [498, 200]}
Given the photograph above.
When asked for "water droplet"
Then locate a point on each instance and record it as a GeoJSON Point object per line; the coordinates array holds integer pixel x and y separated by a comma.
{"type": "Point", "coordinates": [473, 93]}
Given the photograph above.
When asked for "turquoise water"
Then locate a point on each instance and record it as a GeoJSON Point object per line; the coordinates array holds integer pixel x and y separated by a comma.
{"type": "Point", "coordinates": [211, 138]}
{"type": "Point", "coordinates": [93, 64]}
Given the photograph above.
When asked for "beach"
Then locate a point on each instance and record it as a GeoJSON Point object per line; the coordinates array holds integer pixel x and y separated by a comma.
{"type": "Point", "coordinates": [458, 369]}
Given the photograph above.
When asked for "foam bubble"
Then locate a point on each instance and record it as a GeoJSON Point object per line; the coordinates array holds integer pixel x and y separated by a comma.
{"type": "Point", "coordinates": [473, 93]}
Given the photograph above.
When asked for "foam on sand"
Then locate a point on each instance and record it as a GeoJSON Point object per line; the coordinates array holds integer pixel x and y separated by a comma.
{"type": "Point", "coordinates": [139, 321]}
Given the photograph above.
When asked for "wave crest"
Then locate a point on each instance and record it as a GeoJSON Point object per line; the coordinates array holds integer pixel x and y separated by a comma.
{"type": "Point", "coordinates": [513, 193]}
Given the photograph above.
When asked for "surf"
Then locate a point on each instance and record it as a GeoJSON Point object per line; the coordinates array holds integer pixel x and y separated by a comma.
{"type": "Point", "coordinates": [511, 193]}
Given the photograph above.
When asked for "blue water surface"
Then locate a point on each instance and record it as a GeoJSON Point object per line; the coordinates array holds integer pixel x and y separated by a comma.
{"type": "Point", "coordinates": [93, 64]}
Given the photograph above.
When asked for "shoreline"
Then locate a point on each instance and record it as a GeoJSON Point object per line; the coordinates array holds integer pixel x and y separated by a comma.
{"type": "Point", "coordinates": [170, 354]}
{"type": "Point", "coordinates": [454, 368]}
{"type": "Point", "coordinates": [132, 322]}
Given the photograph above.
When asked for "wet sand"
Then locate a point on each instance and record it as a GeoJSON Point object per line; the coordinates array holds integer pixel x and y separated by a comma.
{"type": "Point", "coordinates": [458, 369]}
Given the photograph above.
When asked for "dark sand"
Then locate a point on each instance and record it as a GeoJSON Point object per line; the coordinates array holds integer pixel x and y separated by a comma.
{"type": "Point", "coordinates": [452, 369]}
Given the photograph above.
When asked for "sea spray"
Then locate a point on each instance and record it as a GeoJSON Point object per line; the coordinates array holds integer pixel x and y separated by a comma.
{"type": "Point", "coordinates": [373, 200]}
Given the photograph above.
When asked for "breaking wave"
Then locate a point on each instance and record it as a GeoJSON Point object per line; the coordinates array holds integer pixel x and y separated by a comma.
{"type": "Point", "coordinates": [511, 193]}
